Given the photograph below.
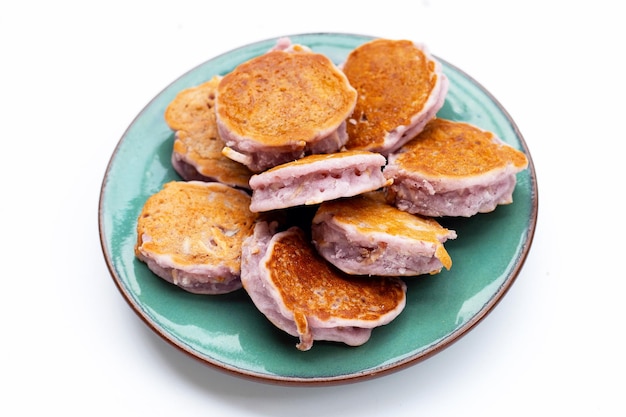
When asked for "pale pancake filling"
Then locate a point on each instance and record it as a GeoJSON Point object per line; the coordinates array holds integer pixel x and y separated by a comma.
{"type": "Point", "coordinates": [317, 178]}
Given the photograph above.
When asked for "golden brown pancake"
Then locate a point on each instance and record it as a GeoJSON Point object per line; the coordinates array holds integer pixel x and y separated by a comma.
{"type": "Point", "coordinates": [303, 292]}
{"type": "Point", "coordinates": [190, 234]}
{"type": "Point", "coordinates": [453, 169]}
{"type": "Point", "coordinates": [285, 98]}
{"type": "Point", "coordinates": [305, 296]}
{"type": "Point", "coordinates": [365, 235]}
{"type": "Point", "coordinates": [400, 88]}
{"type": "Point", "coordinates": [197, 151]}
{"type": "Point", "coordinates": [455, 150]}
{"type": "Point", "coordinates": [283, 102]}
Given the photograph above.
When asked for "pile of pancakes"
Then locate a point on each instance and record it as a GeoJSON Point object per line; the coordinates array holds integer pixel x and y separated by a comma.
{"type": "Point", "coordinates": [316, 187]}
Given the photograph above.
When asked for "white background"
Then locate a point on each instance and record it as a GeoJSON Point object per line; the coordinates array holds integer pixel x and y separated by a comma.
{"type": "Point", "coordinates": [73, 75]}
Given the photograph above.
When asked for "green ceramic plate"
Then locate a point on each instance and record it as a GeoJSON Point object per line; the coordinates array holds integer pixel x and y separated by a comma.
{"type": "Point", "coordinates": [227, 332]}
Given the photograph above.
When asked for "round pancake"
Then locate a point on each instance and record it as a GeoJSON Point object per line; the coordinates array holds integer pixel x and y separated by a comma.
{"type": "Point", "coordinates": [456, 150]}
{"type": "Point", "coordinates": [398, 84]}
{"type": "Point", "coordinates": [366, 235]}
{"type": "Point", "coordinates": [284, 99]}
{"type": "Point", "coordinates": [453, 169]}
{"type": "Point", "coordinates": [197, 228]}
{"type": "Point", "coordinates": [197, 150]}
{"type": "Point", "coordinates": [321, 296]}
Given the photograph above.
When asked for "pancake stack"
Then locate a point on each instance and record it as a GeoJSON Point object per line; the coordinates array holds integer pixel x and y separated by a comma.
{"type": "Point", "coordinates": [317, 187]}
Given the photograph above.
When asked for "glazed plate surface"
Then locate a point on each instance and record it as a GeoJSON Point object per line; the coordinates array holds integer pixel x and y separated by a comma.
{"type": "Point", "coordinates": [227, 332]}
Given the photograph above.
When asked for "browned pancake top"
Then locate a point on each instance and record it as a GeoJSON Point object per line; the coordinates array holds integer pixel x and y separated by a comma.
{"type": "Point", "coordinates": [369, 213]}
{"type": "Point", "coordinates": [317, 158]}
{"type": "Point", "coordinates": [192, 115]}
{"type": "Point", "coordinates": [193, 108]}
{"type": "Point", "coordinates": [285, 98]}
{"type": "Point", "coordinates": [196, 223]}
{"type": "Point", "coordinates": [453, 149]}
{"type": "Point", "coordinates": [309, 287]}
{"type": "Point", "coordinates": [394, 80]}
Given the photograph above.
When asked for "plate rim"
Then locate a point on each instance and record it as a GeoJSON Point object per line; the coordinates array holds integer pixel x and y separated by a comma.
{"type": "Point", "coordinates": [387, 368]}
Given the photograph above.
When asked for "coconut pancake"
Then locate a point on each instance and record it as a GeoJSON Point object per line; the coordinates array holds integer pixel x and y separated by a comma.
{"type": "Point", "coordinates": [453, 169]}
{"type": "Point", "coordinates": [303, 295]}
{"type": "Point", "coordinates": [282, 105]}
{"type": "Point", "coordinates": [190, 234]}
{"type": "Point", "coordinates": [316, 178]}
{"type": "Point", "coordinates": [400, 88]}
{"type": "Point", "coordinates": [197, 151]}
{"type": "Point", "coordinates": [365, 235]}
